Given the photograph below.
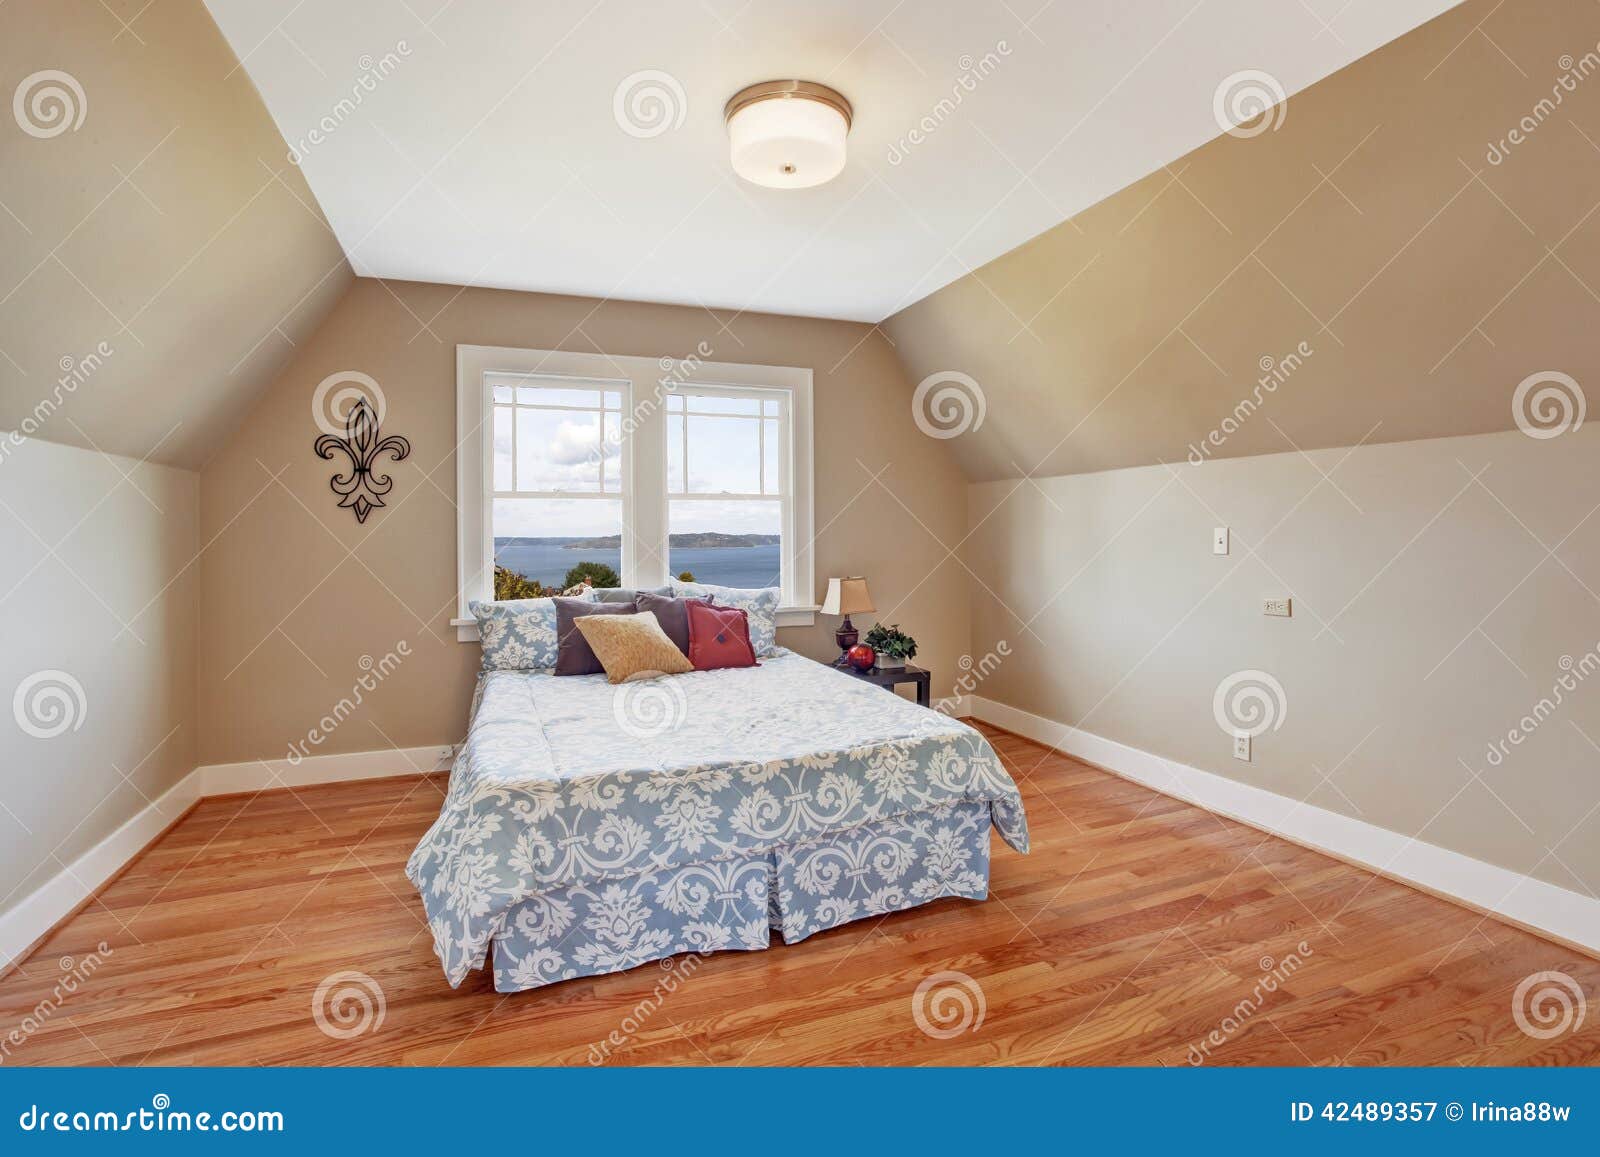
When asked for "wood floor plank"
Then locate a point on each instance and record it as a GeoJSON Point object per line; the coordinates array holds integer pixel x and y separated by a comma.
{"type": "Point", "coordinates": [1142, 930]}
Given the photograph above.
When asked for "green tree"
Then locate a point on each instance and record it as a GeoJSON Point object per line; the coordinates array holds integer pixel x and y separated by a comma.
{"type": "Point", "coordinates": [597, 574]}
{"type": "Point", "coordinates": [686, 576]}
{"type": "Point", "coordinates": [508, 584]}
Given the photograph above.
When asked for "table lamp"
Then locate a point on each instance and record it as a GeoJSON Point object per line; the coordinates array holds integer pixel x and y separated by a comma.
{"type": "Point", "coordinates": [847, 596]}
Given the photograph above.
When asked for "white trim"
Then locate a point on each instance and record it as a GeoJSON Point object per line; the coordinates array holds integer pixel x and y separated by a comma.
{"type": "Point", "coordinates": [50, 903]}
{"type": "Point", "coordinates": [1554, 912]}
{"type": "Point", "coordinates": [266, 774]}
{"type": "Point", "coordinates": [53, 901]}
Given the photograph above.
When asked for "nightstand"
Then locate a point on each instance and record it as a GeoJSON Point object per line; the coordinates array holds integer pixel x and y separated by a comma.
{"type": "Point", "coordinates": [893, 678]}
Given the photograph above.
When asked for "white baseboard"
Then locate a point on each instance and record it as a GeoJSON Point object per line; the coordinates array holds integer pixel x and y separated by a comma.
{"type": "Point", "coordinates": [45, 907]}
{"type": "Point", "coordinates": [265, 774]}
{"type": "Point", "coordinates": [40, 910]}
{"type": "Point", "coordinates": [1569, 917]}
{"type": "Point", "coordinates": [955, 706]}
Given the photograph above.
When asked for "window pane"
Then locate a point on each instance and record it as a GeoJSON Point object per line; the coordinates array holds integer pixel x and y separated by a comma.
{"type": "Point", "coordinates": [502, 448]}
{"type": "Point", "coordinates": [613, 400]}
{"type": "Point", "coordinates": [551, 396]}
{"type": "Point", "coordinates": [559, 450]}
{"type": "Point", "coordinates": [675, 453]}
{"type": "Point", "coordinates": [770, 458]}
{"type": "Point", "coordinates": [502, 393]}
{"type": "Point", "coordinates": [612, 464]}
{"type": "Point", "coordinates": [714, 404]}
{"type": "Point", "coordinates": [542, 539]}
{"type": "Point", "coordinates": [731, 544]}
{"type": "Point", "coordinates": [724, 456]}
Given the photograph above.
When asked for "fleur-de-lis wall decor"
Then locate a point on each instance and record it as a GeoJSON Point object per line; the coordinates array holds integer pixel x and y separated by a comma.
{"type": "Point", "coordinates": [363, 488]}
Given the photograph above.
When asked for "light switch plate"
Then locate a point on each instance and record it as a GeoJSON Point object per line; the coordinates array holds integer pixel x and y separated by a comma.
{"type": "Point", "coordinates": [1219, 540]}
{"type": "Point", "coordinates": [1282, 608]}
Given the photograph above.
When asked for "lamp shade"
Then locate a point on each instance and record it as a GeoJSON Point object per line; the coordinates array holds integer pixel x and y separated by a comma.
{"type": "Point", "coordinates": [847, 596]}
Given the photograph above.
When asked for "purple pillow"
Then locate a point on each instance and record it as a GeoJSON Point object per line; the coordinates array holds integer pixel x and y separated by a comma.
{"type": "Point", "coordinates": [672, 614]}
{"type": "Point", "coordinates": [574, 656]}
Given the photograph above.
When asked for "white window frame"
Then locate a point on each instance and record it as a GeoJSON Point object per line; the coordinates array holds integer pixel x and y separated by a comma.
{"type": "Point", "coordinates": [644, 384]}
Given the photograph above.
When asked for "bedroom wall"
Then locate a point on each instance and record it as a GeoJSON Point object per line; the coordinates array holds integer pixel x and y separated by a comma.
{"type": "Point", "coordinates": [294, 593]}
{"type": "Point", "coordinates": [1429, 625]}
{"type": "Point", "coordinates": [97, 599]}
{"type": "Point", "coordinates": [1389, 258]}
{"type": "Point", "coordinates": [151, 212]}
{"type": "Point", "coordinates": [1385, 217]}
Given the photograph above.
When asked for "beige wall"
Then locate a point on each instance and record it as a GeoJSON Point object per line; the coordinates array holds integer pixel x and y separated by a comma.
{"type": "Point", "coordinates": [169, 226]}
{"type": "Point", "coordinates": [1369, 224]}
{"type": "Point", "coordinates": [294, 592]}
{"type": "Point", "coordinates": [1428, 621]}
{"type": "Point", "coordinates": [94, 585]}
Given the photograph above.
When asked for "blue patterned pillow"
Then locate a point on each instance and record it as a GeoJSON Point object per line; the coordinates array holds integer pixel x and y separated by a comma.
{"type": "Point", "coordinates": [518, 635]}
{"type": "Point", "coordinates": [761, 605]}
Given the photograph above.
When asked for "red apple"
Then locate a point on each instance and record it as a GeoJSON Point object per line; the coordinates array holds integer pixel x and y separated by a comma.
{"type": "Point", "coordinates": [862, 657]}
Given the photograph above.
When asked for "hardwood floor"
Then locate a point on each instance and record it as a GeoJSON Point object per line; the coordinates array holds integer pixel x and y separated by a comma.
{"type": "Point", "coordinates": [1137, 928]}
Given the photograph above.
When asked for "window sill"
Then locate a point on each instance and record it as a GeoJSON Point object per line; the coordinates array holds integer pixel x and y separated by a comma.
{"type": "Point", "coordinates": [467, 629]}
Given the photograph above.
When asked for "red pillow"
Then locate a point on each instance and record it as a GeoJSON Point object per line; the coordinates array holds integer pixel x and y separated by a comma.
{"type": "Point", "coordinates": [719, 637]}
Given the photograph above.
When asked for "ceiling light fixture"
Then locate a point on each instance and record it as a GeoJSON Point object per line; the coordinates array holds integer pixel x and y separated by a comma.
{"type": "Point", "coordinates": [787, 134]}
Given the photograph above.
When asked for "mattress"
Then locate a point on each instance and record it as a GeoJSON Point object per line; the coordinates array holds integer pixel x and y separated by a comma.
{"type": "Point", "coordinates": [574, 783]}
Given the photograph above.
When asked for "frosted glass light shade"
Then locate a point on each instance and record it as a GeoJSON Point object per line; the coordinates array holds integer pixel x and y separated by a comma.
{"type": "Point", "coordinates": [788, 142]}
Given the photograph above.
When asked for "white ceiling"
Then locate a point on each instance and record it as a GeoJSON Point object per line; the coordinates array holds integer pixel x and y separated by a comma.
{"type": "Point", "coordinates": [490, 155]}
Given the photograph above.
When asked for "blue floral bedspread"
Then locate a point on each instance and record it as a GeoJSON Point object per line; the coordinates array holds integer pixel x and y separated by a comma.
{"type": "Point", "coordinates": [572, 781]}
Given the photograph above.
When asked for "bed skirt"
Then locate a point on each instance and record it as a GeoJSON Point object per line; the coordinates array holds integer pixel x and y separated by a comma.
{"type": "Point", "coordinates": [735, 904]}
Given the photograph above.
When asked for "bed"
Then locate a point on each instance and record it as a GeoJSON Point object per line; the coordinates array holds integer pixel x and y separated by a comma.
{"type": "Point", "coordinates": [590, 828]}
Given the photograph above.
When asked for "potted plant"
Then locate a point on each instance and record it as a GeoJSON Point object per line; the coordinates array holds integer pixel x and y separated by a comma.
{"type": "Point", "coordinates": [892, 644]}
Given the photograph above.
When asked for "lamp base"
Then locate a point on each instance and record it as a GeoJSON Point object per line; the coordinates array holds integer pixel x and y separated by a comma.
{"type": "Point", "coordinates": [846, 636]}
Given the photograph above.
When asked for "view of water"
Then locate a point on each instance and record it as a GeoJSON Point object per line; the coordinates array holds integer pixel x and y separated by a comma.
{"type": "Point", "coordinates": [731, 566]}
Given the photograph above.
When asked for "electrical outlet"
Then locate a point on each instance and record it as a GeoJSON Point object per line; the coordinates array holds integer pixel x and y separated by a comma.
{"type": "Point", "coordinates": [1241, 746]}
{"type": "Point", "coordinates": [1282, 608]}
{"type": "Point", "coordinates": [1219, 540]}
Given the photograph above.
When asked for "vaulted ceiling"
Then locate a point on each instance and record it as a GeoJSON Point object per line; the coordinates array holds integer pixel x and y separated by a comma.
{"type": "Point", "coordinates": [163, 238]}
{"type": "Point", "coordinates": [159, 255]}
{"type": "Point", "coordinates": [500, 144]}
{"type": "Point", "coordinates": [1390, 257]}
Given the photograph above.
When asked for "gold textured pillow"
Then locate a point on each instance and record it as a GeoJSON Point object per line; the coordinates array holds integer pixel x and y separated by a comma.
{"type": "Point", "coordinates": [632, 647]}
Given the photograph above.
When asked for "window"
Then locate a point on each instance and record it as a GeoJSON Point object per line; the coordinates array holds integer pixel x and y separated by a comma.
{"type": "Point", "coordinates": [642, 467]}
{"type": "Point", "coordinates": [725, 484]}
